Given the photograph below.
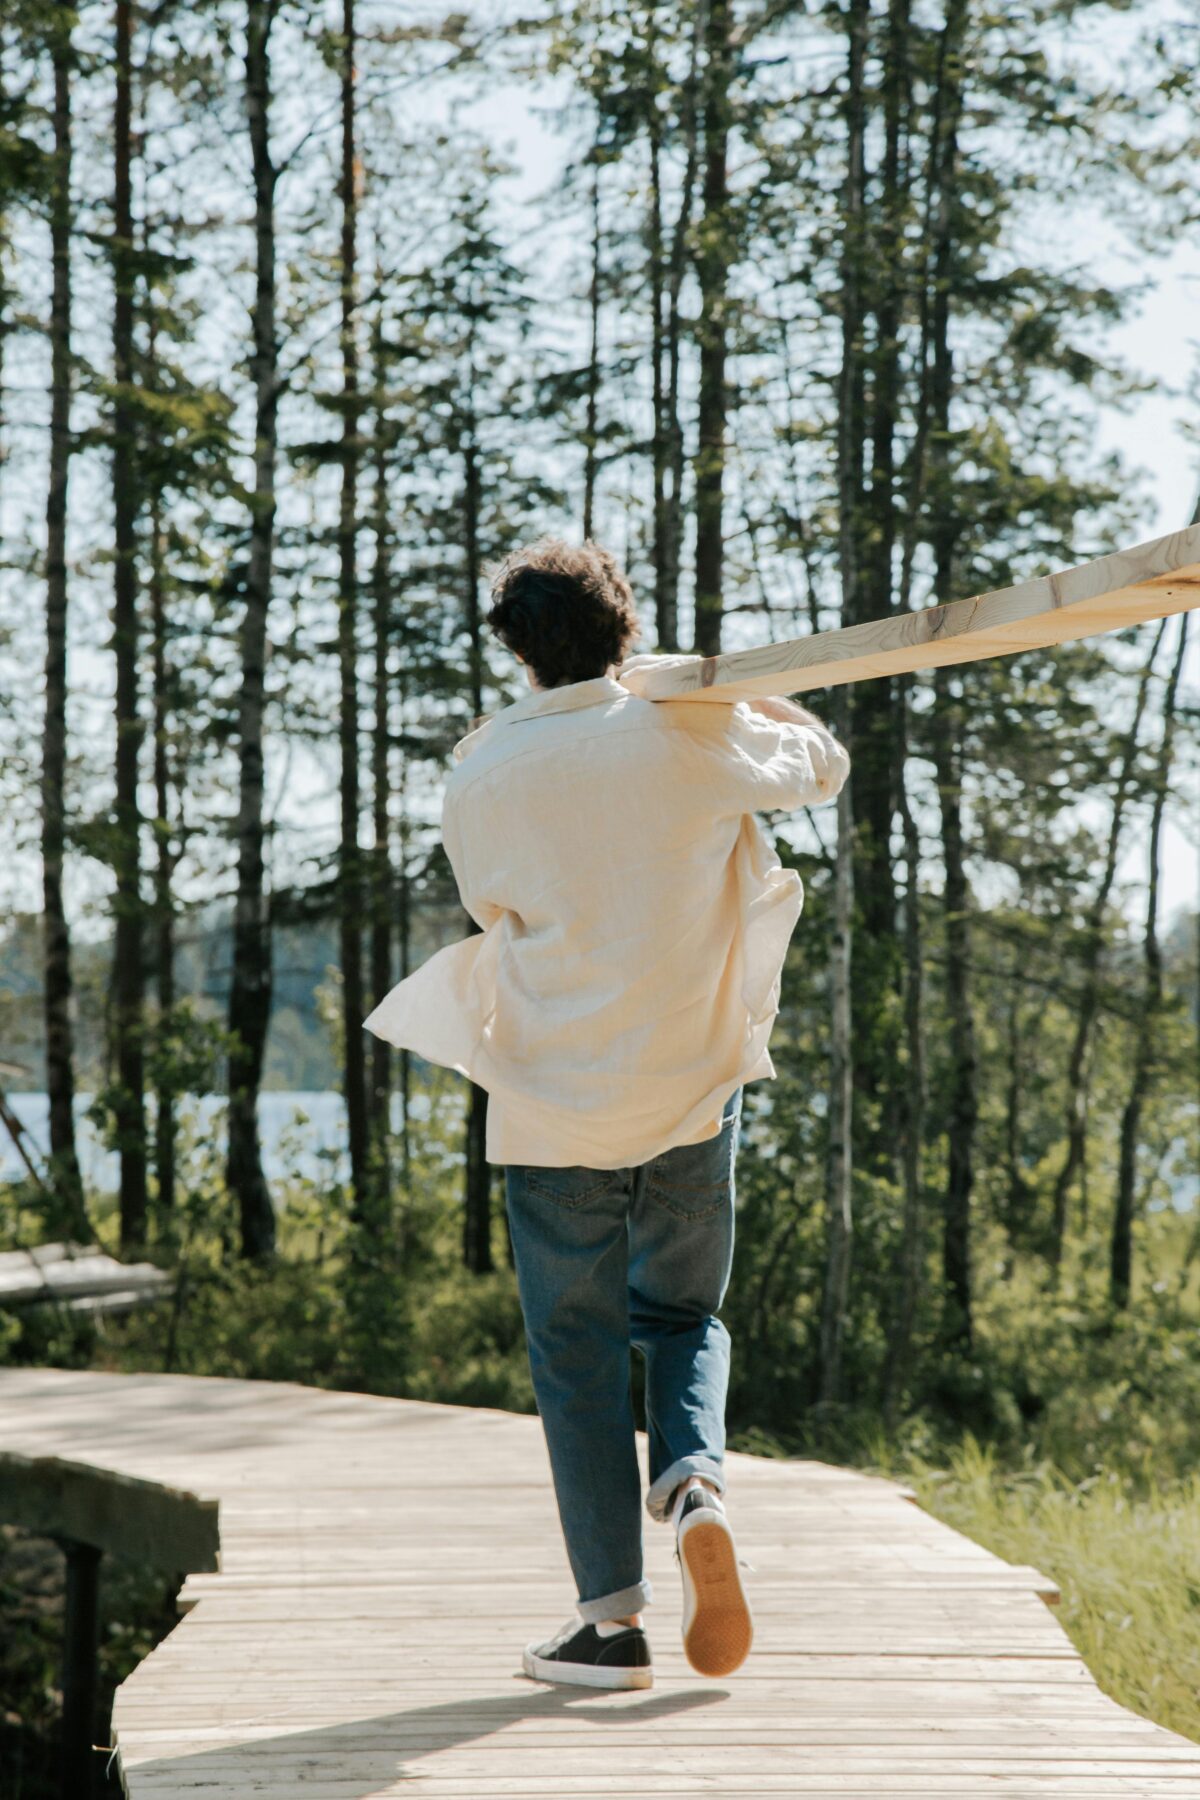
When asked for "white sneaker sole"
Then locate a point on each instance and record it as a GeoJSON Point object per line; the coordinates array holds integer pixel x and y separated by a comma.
{"type": "Point", "coordinates": [717, 1627]}
{"type": "Point", "coordinates": [591, 1675]}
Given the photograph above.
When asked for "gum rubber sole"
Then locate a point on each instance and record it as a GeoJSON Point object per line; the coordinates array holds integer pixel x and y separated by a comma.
{"type": "Point", "coordinates": [718, 1638]}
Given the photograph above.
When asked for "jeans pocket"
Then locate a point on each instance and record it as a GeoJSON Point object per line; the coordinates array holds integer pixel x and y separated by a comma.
{"type": "Point", "coordinates": [695, 1181]}
{"type": "Point", "coordinates": [569, 1187]}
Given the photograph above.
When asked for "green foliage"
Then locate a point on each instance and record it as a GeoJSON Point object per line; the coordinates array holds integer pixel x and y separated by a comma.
{"type": "Point", "coordinates": [470, 1343]}
{"type": "Point", "coordinates": [137, 1609]}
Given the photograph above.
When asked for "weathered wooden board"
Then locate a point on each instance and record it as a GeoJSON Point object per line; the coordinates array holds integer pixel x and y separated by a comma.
{"type": "Point", "coordinates": [1127, 587]}
{"type": "Point", "coordinates": [56, 1497]}
{"type": "Point", "coordinates": [382, 1562]}
{"type": "Point", "coordinates": [80, 1276]}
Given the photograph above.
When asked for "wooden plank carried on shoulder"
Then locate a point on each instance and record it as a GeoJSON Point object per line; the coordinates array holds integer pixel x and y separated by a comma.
{"type": "Point", "coordinates": [1127, 587]}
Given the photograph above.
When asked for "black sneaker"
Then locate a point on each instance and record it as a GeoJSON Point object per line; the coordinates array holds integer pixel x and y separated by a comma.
{"type": "Point", "coordinates": [579, 1654]}
{"type": "Point", "coordinates": [717, 1627]}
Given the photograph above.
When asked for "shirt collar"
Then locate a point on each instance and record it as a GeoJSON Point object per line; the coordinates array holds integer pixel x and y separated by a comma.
{"type": "Point", "coordinates": [567, 698]}
{"type": "Point", "coordinates": [561, 699]}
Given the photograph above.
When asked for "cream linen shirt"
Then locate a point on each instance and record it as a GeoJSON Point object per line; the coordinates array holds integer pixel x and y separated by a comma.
{"type": "Point", "coordinates": [635, 917]}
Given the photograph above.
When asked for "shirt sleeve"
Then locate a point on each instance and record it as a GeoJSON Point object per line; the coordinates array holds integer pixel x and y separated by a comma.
{"type": "Point", "coordinates": [758, 764]}
{"type": "Point", "coordinates": [484, 912]}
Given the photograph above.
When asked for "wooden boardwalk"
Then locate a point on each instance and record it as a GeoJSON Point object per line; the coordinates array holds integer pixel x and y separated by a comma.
{"type": "Point", "coordinates": [383, 1561]}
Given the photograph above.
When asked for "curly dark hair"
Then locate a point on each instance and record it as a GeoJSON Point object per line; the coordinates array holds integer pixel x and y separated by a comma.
{"type": "Point", "coordinates": [566, 609]}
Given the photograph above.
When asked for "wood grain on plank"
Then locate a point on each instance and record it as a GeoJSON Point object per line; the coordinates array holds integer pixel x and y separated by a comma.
{"type": "Point", "coordinates": [1126, 587]}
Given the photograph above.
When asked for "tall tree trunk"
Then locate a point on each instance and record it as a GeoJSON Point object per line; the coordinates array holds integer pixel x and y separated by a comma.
{"type": "Point", "coordinates": [381, 867]}
{"type": "Point", "coordinates": [1017, 1191]}
{"type": "Point", "coordinates": [404, 919]}
{"type": "Point", "coordinates": [129, 1105]}
{"type": "Point", "coordinates": [946, 726]}
{"type": "Point", "coordinates": [947, 717]}
{"type": "Point", "coordinates": [593, 374]}
{"type": "Point", "coordinates": [908, 1284]}
{"type": "Point", "coordinates": [477, 1196]}
{"type": "Point", "coordinates": [72, 1219]}
{"type": "Point", "coordinates": [351, 883]}
{"type": "Point", "coordinates": [874, 777]}
{"type": "Point", "coordinates": [250, 990]}
{"type": "Point", "coordinates": [666, 623]}
{"type": "Point", "coordinates": [164, 870]}
{"type": "Point", "coordinates": [851, 424]}
{"type": "Point", "coordinates": [840, 1166]}
{"type": "Point", "coordinates": [668, 545]}
{"type": "Point", "coordinates": [713, 261]}
{"type": "Point", "coordinates": [7, 294]}
{"type": "Point", "coordinates": [1121, 1254]}
{"type": "Point", "coordinates": [1089, 997]}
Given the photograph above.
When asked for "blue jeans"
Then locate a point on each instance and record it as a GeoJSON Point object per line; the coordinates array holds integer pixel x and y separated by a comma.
{"type": "Point", "coordinates": [605, 1259]}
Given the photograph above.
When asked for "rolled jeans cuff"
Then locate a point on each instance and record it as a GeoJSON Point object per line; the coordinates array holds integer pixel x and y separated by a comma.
{"type": "Point", "coordinates": [659, 1494]}
{"type": "Point", "coordinates": [617, 1605]}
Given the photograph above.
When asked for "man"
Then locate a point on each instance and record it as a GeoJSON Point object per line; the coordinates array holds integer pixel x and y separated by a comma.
{"type": "Point", "coordinates": [622, 991]}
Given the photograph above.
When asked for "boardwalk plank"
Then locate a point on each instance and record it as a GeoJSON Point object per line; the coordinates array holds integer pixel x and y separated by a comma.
{"type": "Point", "coordinates": [361, 1637]}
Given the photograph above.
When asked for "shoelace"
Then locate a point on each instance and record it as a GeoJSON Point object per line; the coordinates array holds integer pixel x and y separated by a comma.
{"type": "Point", "coordinates": [561, 1635]}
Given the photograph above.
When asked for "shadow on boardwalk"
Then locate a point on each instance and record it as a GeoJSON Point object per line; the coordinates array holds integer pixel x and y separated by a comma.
{"type": "Point", "coordinates": [361, 1758]}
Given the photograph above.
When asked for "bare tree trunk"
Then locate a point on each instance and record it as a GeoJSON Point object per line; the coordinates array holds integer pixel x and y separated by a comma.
{"type": "Point", "coordinates": [250, 991]}
{"type": "Point", "coordinates": [840, 1168]}
{"type": "Point", "coordinates": [593, 376]}
{"type": "Point", "coordinates": [1121, 1255]}
{"type": "Point", "coordinates": [351, 882]}
{"type": "Point", "coordinates": [128, 976]}
{"type": "Point", "coordinates": [477, 1196]}
{"type": "Point", "coordinates": [56, 985]}
{"type": "Point", "coordinates": [712, 266]}
{"type": "Point", "coordinates": [1089, 998]}
{"type": "Point", "coordinates": [669, 545]}
{"type": "Point", "coordinates": [839, 1207]}
{"type": "Point", "coordinates": [404, 930]}
{"type": "Point", "coordinates": [1017, 1191]}
{"type": "Point", "coordinates": [6, 295]}
{"type": "Point", "coordinates": [381, 867]}
{"type": "Point", "coordinates": [946, 726]}
{"type": "Point", "coordinates": [908, 1285]}
{"type": "Point", "coordinates": [874, 778]}
{"type": "Point", "coordinates": [947, 717]}
{"type": "Point", "coordinates": [164, 871]}
{"type": "Point", "coordinates": [851, 425]}
{"type": "Point", "coordinates": [666, 622]}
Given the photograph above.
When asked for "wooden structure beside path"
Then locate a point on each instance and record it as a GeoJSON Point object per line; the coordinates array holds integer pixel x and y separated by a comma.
{"type": "Point", "coordinates": [382, 1561]}
{"type": "Point", "coordinates": [79, 1277]}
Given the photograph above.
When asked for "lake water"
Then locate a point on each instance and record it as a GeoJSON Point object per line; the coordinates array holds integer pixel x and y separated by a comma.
{"type": "Point", "coordinates": [302, 1133]}
{"type": "Point", "coordinates": [305, 1134]}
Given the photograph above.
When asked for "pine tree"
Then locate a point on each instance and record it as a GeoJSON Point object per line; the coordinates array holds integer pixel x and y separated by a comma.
{"type": "Point", "coordinates": [250, 991]}
{"type": "Point", "coordinates": [128, 1096]}
{"type": "Point", "coordinates": [60, 1077]}
{"type": "Point", "coordinates": [350, 876]}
